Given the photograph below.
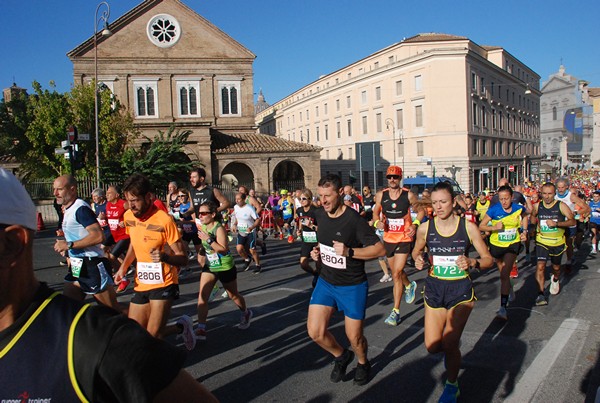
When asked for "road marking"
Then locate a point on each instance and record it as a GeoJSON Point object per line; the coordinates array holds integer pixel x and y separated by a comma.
{"type": "Point", "coordinates": [194, 301]}
{"type": "Point", "coordinates": [533, 377]}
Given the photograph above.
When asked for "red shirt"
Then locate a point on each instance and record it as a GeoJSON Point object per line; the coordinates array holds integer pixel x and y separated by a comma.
{"type": "Point", "coordinates": [114, 215]}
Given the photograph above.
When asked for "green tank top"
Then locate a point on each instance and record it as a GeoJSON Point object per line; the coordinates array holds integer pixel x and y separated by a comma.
{"type": "Point", "coordinates": [216, 261]}
{"type": "Point", "coordinates": [550, 236]}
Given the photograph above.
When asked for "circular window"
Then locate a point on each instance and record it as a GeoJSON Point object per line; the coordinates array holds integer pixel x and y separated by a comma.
{"type": "Point", "coordinates": [163, 30]}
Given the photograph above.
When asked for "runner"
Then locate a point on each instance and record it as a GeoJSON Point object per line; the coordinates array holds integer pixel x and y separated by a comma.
{"type": "Point", "coordinates": [553, 217]}
{"type": "Point", "coordinates": [564, 194]}
{"type": "Point", "coordinates": [201, 192]}
{"type": "Point", "coordinates": [246, 223]}
{"type": "Point", "coordinates": [115, 210]}
{"type": "Point", "coordinates": [508, 227]}
{"type": "Point", "coordinates": [220, 267]}
{"type": "Point", "coordinates": [534, 198]}
{"type": "Point", "coordinates": [56, 349]}
{"type": "Point", "coordinates": [156, 244]}
{"type": "Point", "coordinates": [392, 205]}
{"type": "Point", "coordinates": [369, 203]}
{"type": "Point", "coordinates": [449, 295]}
{"type": "Point", "coordinates": [345, 242]}
{"type": "Point", "coordinates": [99, 208]}
{"type": "Point", "coordinates": [89, 270]}
{"type": "Point", "coordinates": [286, 206]}
{"type": "Point", "coordinates": [253, 201]}
{"type": "Point", "coordinates": [307, 231]}
{"type": "Point", "coordinates": [595, 219]}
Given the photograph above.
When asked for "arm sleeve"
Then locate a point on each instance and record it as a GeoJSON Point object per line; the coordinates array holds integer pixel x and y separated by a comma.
{"type": "Point", "coordinates": [117, 360]}
{"type": "Point", "coordinates": [85, 216]}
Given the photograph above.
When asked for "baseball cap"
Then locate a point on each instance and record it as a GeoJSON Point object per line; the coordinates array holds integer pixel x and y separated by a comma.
{"type": "Point", "coordinates": [394, 170]}
{"type": "Point", "coordinates": [283, 192]}
{"type": "Point", "coordinates": [16, 206]}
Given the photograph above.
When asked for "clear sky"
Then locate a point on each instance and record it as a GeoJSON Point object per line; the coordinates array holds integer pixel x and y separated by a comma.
{"type": "Point", "coordinates": [297, 41]}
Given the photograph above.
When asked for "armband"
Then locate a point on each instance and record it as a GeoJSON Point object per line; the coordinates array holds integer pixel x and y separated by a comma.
{"type": "Point", "coordinates": [417, 222]}
{"type": "Point", "coordinates": [210, 240]}
{"type": "Point", "coordinates": [375, 223]}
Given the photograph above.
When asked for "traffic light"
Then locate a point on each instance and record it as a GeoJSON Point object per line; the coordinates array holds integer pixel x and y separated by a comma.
{"type": "Point", "coordinates": [78, 158]}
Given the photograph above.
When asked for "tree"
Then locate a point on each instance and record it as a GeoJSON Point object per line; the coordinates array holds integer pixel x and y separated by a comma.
{"type": "Point", "coordinates": [161, 159]}
{"type": "Point", "coordinates": [14, 121]}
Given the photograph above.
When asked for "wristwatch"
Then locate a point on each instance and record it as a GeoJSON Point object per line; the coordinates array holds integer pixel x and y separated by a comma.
{"type": "Point", "coordinates": [350, 252]}
{"type": "Point", "coordinates": [477, 265]}
{"type": "Point", "coordinates": [70, 245]}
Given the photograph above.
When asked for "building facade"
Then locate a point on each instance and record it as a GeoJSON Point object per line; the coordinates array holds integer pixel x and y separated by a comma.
{"type": "Point", "coordinates": [170, 66]}
{"type": "Point", "coordinates": [430, 103]}
{"type": "Point", "coordinates": [566, 123]}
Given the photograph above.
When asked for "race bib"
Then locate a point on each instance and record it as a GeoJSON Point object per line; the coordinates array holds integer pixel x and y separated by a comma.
{"type": "Point", "coordinates": [150, 273]}
{"type": "Point", "coordinates": [329, 257]}
{"type": "Point", "coordinates": [395, 225]}
{"type": "Point", "coordinates": [309, 236]}
{"type": "Point", "coordinates": [545, 228]}
{"type": "Point", "coordinates": [368, 208]}
{"type": "Point", "coordinates": [113, 224]}
{"type": "Point", "coordinates": [507, 235]}
{"type": "Point", "coordinates": [595, 214]}
{"type": "Point", "coordinates": [213, 259]}
{"type": "Point", "coordinates": [243, 228]}
{"type": "Point", "coordinates": [188, 228]}
{"type": "Point", "coordinates": [76, 264]}
{"type": "Point", "coordinates": [470, 216]}
{"type": "Point", "coordinates": [445, 267]}
{"type": "Point", "coordinates": [198, 223]}
{"type": "Point", "coordinates": [176, 215]}
{"type": "Point", "coordinates": [102, 222]}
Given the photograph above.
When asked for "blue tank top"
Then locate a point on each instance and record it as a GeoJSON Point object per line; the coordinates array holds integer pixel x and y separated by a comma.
{"type": "Point", "coordinates": [595, 212]}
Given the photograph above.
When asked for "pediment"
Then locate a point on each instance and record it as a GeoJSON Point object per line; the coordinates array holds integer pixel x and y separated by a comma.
{"type": "Point", "coordinates": [556, 83]}
{"type": "Point", "coordinates": [198, 38]}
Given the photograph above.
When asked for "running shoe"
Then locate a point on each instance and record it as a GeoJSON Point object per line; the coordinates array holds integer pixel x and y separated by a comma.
{"type": "Point", "coordinates": [280, 236]}
{"type": "Point", "coordinates": [130, 270]}
{"type": "Point", "coordinates": [257, 269]}
{"type": "Point", "coordinates": [214, 293]}
{"type": "Point", "coordinates": [225, 294]}
{"type": "Point", "coordinates": [385, 278]}
{"type": "Point", "coordinates": [63, 263]}
{"type": "Point", "coordinates": [200, 334]}
{"type": "Point", "coordinates": [502, 314]}
{"type": "Point", "coordinates": [541, 300]}
{"type": "Point", "coordinates": [290, 239]}
{"type": "Point", "coordinates": [409, 292]}
{"type": "Point", "coordinates": [247, 264]}
{"type": "Point", "coordinates": [450, 394]}
{"type": "Point", "coordinates": [514, 273]}
{"type": "Point", "coordinates": [123, 285]}
{"type": "Point", "coordinates": [187, 332]}
{"type": "Point", "coordinates": [191, 255]}
{"type": "Point", "coordinates": [245, 320]}
{"type": "Point", "coordinates": [554, 286]}
{"type": "Point", "coordinates": [362, 372]}
{"type": "Point", "coordinates": [394, 319]}
{"type": "Point", "coordinates": [340, 364]}
{"type": "Point", "coordinates": [594, 252]}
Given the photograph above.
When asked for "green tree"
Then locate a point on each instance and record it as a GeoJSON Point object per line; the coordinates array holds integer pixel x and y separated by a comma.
{"type": "Point", "coordinates": [161, 159]}
{"type": "Point", "coordinates": [14, 120]}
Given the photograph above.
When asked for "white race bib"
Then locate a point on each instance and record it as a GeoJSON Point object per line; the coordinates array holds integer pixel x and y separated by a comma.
{"type": "Point", "coordinates": [309, 236]}
{"type": "Point", "coordinates": [76, 264]}
{"type": "Point", "coordinates": [507, 235]}
{"type": "Point", "coordinates": [243, 229]}
{"type": "Point", "coordinates": [213, 259]}
{"type": "Point", "coordinates": [545, 228]}
{"type": "Point", "coordinates": [330, 258]}
{"type": "Point", "coordinates": [150, 273]}
{"type": "Point", "coordinates": [113, 224]}
{"type": "Point", "coordinates": [445, 267]}
{"type": "Point", "coordinates": [396, 225]}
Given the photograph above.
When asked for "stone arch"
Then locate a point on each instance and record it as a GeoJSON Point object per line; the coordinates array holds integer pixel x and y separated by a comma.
{"type": "Point", "coordinates": [237, 173]}
{"type": "Point", "coordinates": [288, 174]}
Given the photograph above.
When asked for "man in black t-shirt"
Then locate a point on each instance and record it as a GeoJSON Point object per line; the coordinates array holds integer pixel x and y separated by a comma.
{"type": "Point", "coordinates": [345, 242]}
{"type": "Point", "coordinates": [57, 349]}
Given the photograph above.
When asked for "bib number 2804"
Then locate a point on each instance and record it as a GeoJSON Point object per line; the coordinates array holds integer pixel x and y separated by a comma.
{"type": "Point", "coordinates": [330, 258]}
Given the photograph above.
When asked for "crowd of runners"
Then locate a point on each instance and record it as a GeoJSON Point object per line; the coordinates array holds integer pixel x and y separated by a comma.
{"type": "Point", "coordinates": [129, 236]}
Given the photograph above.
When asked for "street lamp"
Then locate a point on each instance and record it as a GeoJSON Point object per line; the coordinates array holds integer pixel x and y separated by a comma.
{"type": "Point", "coordinates": [389, 122]}
{"type": "Point", "coordinates": [105, 32]}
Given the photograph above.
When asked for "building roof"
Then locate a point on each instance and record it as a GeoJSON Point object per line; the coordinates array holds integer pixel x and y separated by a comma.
{"type": "Point", "coordinates": [594, 91]}
{"type": "Point", "coordinates": [231, 143]}
{"type": "Point", "coordinates": [433, 37]}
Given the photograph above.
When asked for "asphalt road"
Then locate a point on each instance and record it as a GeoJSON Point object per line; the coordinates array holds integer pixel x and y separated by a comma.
{"type": "Point", "coordinates": [540, 354]}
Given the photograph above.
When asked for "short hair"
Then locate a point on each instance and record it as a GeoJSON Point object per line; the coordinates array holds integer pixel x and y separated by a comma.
{"type": "Point", "coordinates": [212, 207]}
{"type": "Point", "coordinates": [549, 184]}
{"type": "Point", "coordinates": [200, 171]}
{"type": "Point", "coordinates": [505, 188]}
{"type": "Point", "coordinates": [563, 180]}
{"type": "Point", "coordinates": [99, 192]}
{"type": "Point", "coordinates": [138, 185]}
{"type": "Point", "coordinates": [173, 183]}
{"type": "Point", "coordinates": [330, 180]}
{"type": "Point", "coordinates": [443, 185]}
{"type": "Point", "coordinates": [117, 188]}
{"type": "Point", "coordinates": [307, 193]}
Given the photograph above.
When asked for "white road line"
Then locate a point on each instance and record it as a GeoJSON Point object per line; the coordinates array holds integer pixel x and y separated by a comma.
{"type": "Point", "coordinates": [194, 301]}
{"type": "Point", "coordinates": [540, 367]}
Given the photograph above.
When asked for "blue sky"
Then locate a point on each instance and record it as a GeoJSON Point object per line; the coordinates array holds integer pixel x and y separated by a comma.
{"type": "Point", "coordinates": [297, 41]}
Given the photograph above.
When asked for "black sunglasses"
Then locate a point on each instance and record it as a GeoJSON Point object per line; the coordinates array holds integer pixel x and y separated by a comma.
{"type": "Point", "coordinates": [393, 176]}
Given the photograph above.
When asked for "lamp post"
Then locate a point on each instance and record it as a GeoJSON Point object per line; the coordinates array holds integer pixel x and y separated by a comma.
{"type": "Point", "coordinates": [389, 122]}
{"type": "Point", "coordinates": [105, 32]}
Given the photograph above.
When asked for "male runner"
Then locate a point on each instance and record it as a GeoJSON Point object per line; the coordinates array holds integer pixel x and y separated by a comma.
{"type": "Point", "coordinates": [392, 215]}
{"type": "Point", "coordinates": [156, 244]}
{"type": "Point", "coordinates": [246, 223]}
{"type": "Point", "coordinates": [56, 349]}
{"type": "Point", "coordinates": [553, 218]}
{"type": "Point", "coordinates": [565, 195]}
{"type": "Point", "coordinates": [89, 271]}
{"type": "Point", "coordinates": [345, 241]}
{"type": "Point", "coordinates": [595, 219]}
{"type": "Point", "coordinates": [115, 210]}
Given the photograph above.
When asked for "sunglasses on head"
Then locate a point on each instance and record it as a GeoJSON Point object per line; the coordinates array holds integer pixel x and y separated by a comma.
{"type": "Point", "coordinates": [204, 213]}
{"type": "Point", "coordinates": [393, 176]}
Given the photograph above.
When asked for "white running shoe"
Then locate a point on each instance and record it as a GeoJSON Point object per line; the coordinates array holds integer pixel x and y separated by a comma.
{"type": "Point", "coordinates": [502, 314]}
{"type": "Point", "coordinates": [554, 286]}
{"type": "Point", "coordinates": [385, 278]}
{"type": "Point", "coordinates": [188, 334]}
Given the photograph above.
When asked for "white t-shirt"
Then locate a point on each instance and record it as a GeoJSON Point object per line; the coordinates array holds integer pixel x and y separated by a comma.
{"type": "Point", "coordinates": [245, 217]}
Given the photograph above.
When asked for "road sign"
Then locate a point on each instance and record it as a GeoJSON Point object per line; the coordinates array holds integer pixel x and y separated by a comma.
{"type": "Point", "coordinates": [65, 143]}
{"type": "Point", "coordinates": [72, 133]}
{"type": "Point", "coordinates": [60, 151]}
{"type": "Point", "coordinates": [511, 168]}
{"type": "Point", "coordinates": [485, 170]}
{"type": "Point", "coordinates": [83, 136]}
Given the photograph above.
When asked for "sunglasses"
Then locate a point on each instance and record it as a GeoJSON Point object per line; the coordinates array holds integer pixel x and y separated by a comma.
{"type": "Point", "coordinates": [304, 198]}
{"type": "Point", "coordinates": [204, 213]}
{"type": "Point", "coordinates": [393, 176]}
